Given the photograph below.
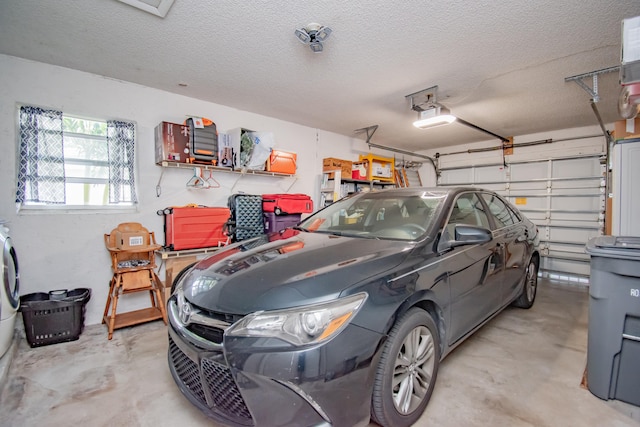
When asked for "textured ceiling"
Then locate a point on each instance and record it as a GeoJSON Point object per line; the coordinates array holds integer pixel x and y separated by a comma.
{"type": "Point", "coordinates": [499, 64]}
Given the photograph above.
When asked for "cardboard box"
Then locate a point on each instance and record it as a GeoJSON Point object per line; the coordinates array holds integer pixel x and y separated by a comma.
{"type": "Point", "coordinates": [627, 128]}
{"type": "Point", "coordinates": [330, 163]}
{"type": "Point", "coordinates": [131, 239]}
{"type": "Point", "coordinates": [282, 162]}
{"type": "Point", "coordinates": [172, 143]}
{"type": "Point", "coordinates": [226, 154]}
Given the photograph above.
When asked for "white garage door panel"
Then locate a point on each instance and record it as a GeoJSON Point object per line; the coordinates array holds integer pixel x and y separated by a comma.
{"type": "Point", "coordinates": [528, 186]}
{"type": "Point", "coordinates": [587, 203]}
{"type": "Point", "coordinates": [457, 177]}
{"type": "Point", "coordinates": [573, 250]}
{"type": "Point", "coordinates": [565, 267]}
{"type": "Point", "coordinates": [533, 203]}
{"type": "Point", "coordinates": [563, 197]}
{"type": "Point", "coordinates": [528, 171]}
{"type": "Point", "coordinates": [575, 168]}
{"type": "Point", "coordinates": [592, 183]}
{"type": "Point", "coordinates": [575, 217]}
{"type": "Point", "coordinates": [562, 234]}
{"type": "Point", "coordinates": [490, 174]}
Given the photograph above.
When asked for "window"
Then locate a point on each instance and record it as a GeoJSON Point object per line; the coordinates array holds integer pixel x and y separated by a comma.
{"type": "Point", "coordinates": [72, 162]}
{"type": "Point", "coordinates": [468, 210]}
{"type": "Point", "coordinates": [502, 214]}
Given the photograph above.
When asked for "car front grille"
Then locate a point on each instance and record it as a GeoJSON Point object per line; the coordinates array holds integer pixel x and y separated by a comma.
{"type": "Point", "coordinates": [187, 370]}
{"type": "Point", "coordinates": [214, 380]}
{"type": "Point", "coordinates": [224, 393]}
{"type": "Point", "coordinates": [209, 333]}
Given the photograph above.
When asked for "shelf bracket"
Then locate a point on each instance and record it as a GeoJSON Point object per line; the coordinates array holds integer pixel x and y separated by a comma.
{"type": "Point", "coordinates": [370, 130]}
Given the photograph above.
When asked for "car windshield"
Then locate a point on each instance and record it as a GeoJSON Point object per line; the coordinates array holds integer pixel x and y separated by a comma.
{"type": "Point", "coordinates": [380, 215]}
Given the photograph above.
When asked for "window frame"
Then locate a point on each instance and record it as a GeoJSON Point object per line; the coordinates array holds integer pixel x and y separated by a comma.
{"type": "Point", "coordinates": [31, 207]}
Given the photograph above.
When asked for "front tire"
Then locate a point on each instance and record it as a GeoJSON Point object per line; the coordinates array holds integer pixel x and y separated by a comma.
{"type": "Point", "coordinates": [530, 286]}
{"type": "Point", "coordinates": [407, 370]}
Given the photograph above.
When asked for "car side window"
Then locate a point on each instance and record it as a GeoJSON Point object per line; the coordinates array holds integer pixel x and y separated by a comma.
{"type": "Point", "coordinates": [467, 209]}
{"type": "Point", "coordinates": [502, 214]}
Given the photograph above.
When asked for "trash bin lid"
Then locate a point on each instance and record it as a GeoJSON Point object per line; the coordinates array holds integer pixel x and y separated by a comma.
{"type": "Point", "coordinates": [627, 247]}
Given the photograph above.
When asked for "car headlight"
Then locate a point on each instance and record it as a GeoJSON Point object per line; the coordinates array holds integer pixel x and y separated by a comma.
{"type": "Point", "coordinates": [301, 325]}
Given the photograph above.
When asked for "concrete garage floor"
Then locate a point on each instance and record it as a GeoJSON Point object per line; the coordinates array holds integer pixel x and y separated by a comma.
{"type": "Point", "coordinates": [522, 369]}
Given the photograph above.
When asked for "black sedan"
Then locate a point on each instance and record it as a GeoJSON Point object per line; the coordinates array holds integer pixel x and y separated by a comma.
{"type": "Point", "coordinates": [346, 317]}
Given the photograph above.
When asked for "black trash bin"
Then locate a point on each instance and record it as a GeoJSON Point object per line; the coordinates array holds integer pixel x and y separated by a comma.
{"type": "Point", "coordinates": [613, 353]}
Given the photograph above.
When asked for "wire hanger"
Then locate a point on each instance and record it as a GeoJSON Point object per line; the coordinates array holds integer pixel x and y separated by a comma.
{"type": "Point", "coordinates": [211, 181]}
{"type": "Point", "coordinates": [196, 180]}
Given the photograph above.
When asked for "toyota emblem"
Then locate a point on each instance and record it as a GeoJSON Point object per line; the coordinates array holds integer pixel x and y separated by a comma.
{"type": "Point", "coordinates": [184, 313]}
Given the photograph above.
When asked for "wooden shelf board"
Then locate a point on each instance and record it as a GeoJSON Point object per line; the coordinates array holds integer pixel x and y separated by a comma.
{"type": "Point", "coordinates": [135, 317]}
{"type": "Point", "coordinates": [223, 169]}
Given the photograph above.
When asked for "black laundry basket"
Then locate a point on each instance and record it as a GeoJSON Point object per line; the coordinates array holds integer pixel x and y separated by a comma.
{"type": "Point", "coordinates": [54, 317]}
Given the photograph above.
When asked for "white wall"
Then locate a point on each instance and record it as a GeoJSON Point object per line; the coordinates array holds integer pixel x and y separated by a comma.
{"type": "Point", "coordinates": [65, 249]}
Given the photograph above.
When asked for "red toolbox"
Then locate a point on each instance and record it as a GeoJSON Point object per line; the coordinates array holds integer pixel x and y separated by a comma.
{"type": "Point", "coordinates": [194, 227]}
{"type": "Point", "coordinates": [282, 204]}
{"type": "Point", "coordinates": [282, 162]}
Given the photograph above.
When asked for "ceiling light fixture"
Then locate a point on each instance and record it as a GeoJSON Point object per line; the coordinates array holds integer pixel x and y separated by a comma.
{"type": "Point", "coordinates": [313, 35]}
{"type": "Point", "coordinates": [433, 117]}
{"type": "Point", "coordinates": [433, 114]}
{"type": "Point", "coordinates": [430, 113]}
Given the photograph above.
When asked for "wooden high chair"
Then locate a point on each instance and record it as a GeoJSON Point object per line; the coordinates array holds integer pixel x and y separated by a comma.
{"type": "Point", "coordinates": [132, 248]}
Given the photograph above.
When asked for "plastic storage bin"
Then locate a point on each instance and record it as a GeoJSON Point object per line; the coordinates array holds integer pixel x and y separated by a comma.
{"type": "Point", "coordinates": [54, 317]}
{"type": "Point", "coordinates": [613, 352]}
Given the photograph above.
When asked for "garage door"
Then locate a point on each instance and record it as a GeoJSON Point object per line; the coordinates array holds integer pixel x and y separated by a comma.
{"type": "Point", "coordinates": [564, 197]}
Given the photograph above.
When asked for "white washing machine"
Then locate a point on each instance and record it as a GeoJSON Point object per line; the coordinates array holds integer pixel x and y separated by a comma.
{"type": "Point", "coordinates": [9, 290]}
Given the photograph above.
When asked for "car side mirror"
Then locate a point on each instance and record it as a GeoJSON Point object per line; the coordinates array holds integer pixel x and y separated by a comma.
{"type": "Point", "coordinates": [468, 235]}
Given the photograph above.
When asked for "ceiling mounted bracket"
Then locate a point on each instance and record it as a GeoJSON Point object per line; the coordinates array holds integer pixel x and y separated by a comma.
{"type": "Point", "coordinates": [593, 92]}
{"type": "Point", "coordinates": [424, 99]}
{"type": "Point", "coordinates": [370, 130]}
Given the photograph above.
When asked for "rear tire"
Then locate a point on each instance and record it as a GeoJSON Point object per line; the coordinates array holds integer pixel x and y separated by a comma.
{"type": "Point", "coordinates": [530, 286]}
{"type": "Point", "coordinates": [407, 370]}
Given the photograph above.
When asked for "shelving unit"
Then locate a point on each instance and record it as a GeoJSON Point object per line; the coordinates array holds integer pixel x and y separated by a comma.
{"type": "Point", "coordinates": [330, 188]}
{"type": "Point", "coordinates": [381, 169]}
{"type": "Point", "coordinates": [336, 187]}
{"type": "Point", "coordinates": [239, 172]}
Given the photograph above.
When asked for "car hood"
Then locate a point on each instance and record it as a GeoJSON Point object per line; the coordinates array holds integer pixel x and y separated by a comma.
{"type": "Point", "coordinates": [289, 269]}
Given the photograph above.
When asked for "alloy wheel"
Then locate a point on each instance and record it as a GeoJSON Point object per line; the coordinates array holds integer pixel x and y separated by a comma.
{"type": "Point", "coordinates": [413, 370]}
{"type": "Point", "coordinates": [532, 281]}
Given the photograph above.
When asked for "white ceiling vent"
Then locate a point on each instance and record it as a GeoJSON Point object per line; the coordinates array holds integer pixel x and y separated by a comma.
{"type": "Point", "coordinates": [155, 7]}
